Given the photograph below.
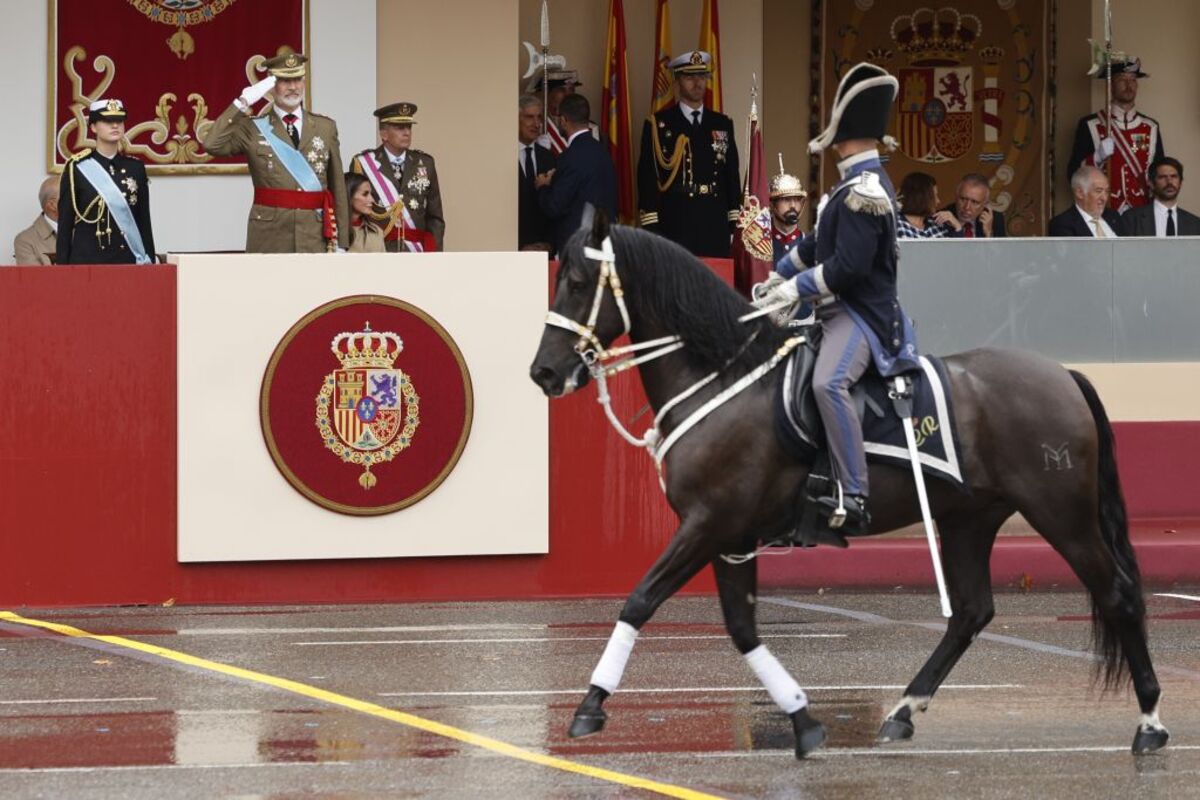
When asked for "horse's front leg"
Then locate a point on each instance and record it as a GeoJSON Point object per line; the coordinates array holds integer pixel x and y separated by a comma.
{"type": "Point", "coordinates": [689, 550]}
{"type": "Point", "coordinates": [737, 587]}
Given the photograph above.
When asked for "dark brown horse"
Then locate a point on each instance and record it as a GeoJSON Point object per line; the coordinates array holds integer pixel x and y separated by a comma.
{"type": "Point", "coordinates": [733, 485]}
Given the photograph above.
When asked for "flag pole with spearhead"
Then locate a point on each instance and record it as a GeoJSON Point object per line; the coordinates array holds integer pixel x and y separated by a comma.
{"type": "Point", "coordinates": [545, 66]}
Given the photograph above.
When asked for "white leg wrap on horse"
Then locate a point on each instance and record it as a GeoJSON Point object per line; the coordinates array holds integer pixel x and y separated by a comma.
{"type": "Point", "coordinates": [608, 672]}
{"type": "Point", "coordinates": [782, 687]}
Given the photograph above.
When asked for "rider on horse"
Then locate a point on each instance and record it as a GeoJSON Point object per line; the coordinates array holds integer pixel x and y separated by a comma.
{"type": "Point", "coordinates": [848, 267]}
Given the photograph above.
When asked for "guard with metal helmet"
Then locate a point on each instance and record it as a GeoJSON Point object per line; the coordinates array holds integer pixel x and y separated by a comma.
{"type": "Point", "coordinates": [851, 277]}
{"type": "Point", "coordinates": [405, 182]}
{"type": "Point", "coordinates": [788, 199]}
{"type": "Point", "coordinates": [295, 161]}
{"type": "Point", "coordinates": [689, 189]}
{"type": "Point", "coordinates": [104, 198]}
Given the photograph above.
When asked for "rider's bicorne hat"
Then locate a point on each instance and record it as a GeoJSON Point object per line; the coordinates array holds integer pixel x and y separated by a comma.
{"type": "Point", "coordinates": [862, 107]}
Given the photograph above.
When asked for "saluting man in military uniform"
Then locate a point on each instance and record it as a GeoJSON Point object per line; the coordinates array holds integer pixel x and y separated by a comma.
{"type": "Point", "coordinates": [104, 198]}
{"type": "Point", "coordinates": [689, 189]}
{"type": "Point", "coordinates": [405, 181]}
{"type": "Point", "coordinates": [295, 161]}
{"type": "Point", "coordinates": [849, 270]}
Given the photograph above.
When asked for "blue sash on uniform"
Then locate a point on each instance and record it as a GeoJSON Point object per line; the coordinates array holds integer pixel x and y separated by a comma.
{"type": "Point", "coordinates": [291, 158]}
{"type": "Point", "coordinates": [118, 206]}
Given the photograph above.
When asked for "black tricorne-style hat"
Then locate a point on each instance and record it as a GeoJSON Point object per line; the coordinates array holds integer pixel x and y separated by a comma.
{"type": "Point", "coordinates": [862, 107]}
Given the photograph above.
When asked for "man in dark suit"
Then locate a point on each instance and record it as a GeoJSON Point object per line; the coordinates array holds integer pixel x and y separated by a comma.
{"type": "Point", "coordinates": [534, 230]}
{"type": "Point", "coordinates": [689, 189]}
{"type": "Point", "coordinates": [584, 175]}
{"type": "Point", "coordinates": [1163, 217]}
{"type": "Point", "coordinates": [979, 220]}
{"type": "Point", "coordinates": [1090, 216]}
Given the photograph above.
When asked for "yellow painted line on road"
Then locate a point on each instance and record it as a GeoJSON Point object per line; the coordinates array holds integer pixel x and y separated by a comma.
{"type": "Point", "coordinates": [362, 706]}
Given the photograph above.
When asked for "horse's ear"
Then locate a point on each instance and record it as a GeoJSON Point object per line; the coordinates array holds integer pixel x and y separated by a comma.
{"type": "Point", "coordinates": [589, 215]}
{"type": "Point", "coordinates": [598, 219]}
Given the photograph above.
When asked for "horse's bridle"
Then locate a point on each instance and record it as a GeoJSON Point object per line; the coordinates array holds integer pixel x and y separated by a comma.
{"type": "Point", "coordinates": [598, 361]}
{"type": "Point", "coordinates": [595, 355]}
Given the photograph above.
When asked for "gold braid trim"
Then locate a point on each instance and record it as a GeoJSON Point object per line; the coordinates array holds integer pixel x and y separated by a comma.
{"type": "Point", "coordinates": [683, 146]}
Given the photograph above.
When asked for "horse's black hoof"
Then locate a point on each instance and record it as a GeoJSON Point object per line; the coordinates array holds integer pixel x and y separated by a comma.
{"type": "Point", "coordinates": [587, 723]}
{"type": "Point", "coordinates": [895, 730]}
{"type": "Point", "coordinates": [810, 734]}
{"type": "Point", "coordinates": [1148, 740]}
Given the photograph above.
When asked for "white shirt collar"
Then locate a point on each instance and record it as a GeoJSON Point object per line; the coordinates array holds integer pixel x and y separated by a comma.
{"type": "Point", "coordinates": [687, 110]}
{"type": "Point", "coordinates": [846, 163]}
{"type": "Point", "coordinates": [53, 223]}
{"type": "Point", "coordinates": [298, 111]}
{"type": "Point", "coordinates": [1160, 217]}
{"type": "Point", "coordinates": [577, 134]}
{"type": "Point", "coordinates": [1089, 219]}
{"type": "Point", "coordinates": [393, 158]}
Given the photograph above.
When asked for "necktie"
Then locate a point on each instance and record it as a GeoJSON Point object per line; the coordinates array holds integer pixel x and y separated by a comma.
{"type": "Point", "coordinates": [696, 118]}
{"type": "Point", "coordinates": [529, 167]}
{"type": "Point", "coordinates": [1099, 228]}
{"type": "Point", "coordinates": [289, 121]}
{"type": "Point", "coordinates": [1171, 222]}
{"type": "Point", "coordinates": [969, 230]}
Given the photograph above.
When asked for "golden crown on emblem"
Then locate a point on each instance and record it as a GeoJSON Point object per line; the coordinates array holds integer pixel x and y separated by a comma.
{"type": "Point", "coordinates": [367, 349]}
{"type": "Point", "coordinates": [936, 38]}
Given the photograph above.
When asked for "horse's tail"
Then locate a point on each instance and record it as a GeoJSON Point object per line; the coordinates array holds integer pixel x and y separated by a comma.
{"type": "Point", "coordinates": [1114, 529]}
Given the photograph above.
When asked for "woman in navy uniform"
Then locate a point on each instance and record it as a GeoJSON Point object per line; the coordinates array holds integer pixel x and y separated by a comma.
{"type": "Point", "coordinates": [849, 269]}
{"type": "Point", "coordinates": [104, 198]}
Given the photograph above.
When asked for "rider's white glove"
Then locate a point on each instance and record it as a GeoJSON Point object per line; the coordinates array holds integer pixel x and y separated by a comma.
{"type": "Point", "coordinates": [784, 293]}
{"type": "Point", "coordinates": [1107, 147]}
{"type": "Point", "coordinates": [760, 290]}
{"type": "Point", "coordinates": [252, 94]}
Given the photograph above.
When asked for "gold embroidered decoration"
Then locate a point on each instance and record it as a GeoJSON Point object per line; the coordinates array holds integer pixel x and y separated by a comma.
{"type": "Point", "coordinates": [669, 165]}
{"type": "Point", "coordinates": [181, 14]}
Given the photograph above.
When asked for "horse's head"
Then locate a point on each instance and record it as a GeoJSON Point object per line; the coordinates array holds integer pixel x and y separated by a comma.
{"type": "Point", "coordinates": [584, 318]}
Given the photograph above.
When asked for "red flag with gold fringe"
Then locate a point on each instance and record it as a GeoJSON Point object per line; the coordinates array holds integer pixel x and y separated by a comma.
{"type": "Point", "coordinates": [661, 94]}
{"type": "Point", "coordinates": [752, 250]}
{"type": "Point", "coordinates": [614, 127]}
{"type": "Point", "coordinates": [710, 42]}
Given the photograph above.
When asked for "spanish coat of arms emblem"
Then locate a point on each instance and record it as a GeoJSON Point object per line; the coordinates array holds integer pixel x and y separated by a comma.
{"type": "Point", "coordinates": [367, 409]}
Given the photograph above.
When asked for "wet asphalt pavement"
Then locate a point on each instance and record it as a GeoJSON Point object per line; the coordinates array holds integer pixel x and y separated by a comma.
{"type": "Point", "coordinates": [1017, 718]}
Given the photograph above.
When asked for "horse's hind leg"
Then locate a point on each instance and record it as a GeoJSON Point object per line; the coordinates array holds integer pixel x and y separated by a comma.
{"type": "Point", "coordinates": [966, 541]}
{"type": "Point", "coordinates": [1118, 609]}
{"type": "Point", "coordinates": [736, 586]}
{"type": "Point", "coordinates": [689, 550]}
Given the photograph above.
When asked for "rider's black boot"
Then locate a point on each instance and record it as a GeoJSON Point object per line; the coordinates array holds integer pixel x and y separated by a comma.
{"type": "Point", "coordinates": [850, 517]}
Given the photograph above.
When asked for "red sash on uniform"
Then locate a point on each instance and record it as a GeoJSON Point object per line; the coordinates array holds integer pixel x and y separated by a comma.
{"type": "Point", "coordinates": [424, 239]}
{"type": "Point", "coordinates": [297, 199]}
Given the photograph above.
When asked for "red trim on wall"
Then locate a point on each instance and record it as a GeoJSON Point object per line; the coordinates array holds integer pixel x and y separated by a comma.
{"type": "Point", "coordinates": [88, 454]}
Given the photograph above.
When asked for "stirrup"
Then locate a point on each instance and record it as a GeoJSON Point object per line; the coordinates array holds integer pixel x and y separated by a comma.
{"type": "Point", "coordinates": [846, 520]}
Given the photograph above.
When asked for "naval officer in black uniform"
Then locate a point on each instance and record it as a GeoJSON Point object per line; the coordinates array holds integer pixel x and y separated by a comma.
{"type": "Point", "coordinates": [689, 189]}
{"type": "Point", "coordinates": [104, 198]}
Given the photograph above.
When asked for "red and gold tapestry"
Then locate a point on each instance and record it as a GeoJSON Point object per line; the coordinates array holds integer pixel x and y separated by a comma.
{"type": "Point", "coordinates": [176, 64]}
{"type": "Point", "coordinates": [973, 93]}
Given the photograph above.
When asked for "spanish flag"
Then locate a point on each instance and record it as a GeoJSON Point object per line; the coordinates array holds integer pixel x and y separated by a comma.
{"type": "Point", "coordinates": [662, 95]}
{"type": "Point", "coordinates": [710, 42]}
{"type": "Point", "coordinates": [614, 126]}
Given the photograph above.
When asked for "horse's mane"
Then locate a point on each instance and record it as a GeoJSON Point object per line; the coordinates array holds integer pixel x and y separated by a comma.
{"type": "Point", "coordinates": [666, 284]}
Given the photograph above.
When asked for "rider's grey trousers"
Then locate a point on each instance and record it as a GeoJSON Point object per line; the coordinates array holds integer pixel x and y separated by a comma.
{"type": "Point", "coordinates": [842, 360]}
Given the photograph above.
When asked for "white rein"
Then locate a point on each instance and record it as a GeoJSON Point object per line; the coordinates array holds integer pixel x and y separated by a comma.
{"type": "Point", "coordinates": [601, 365]}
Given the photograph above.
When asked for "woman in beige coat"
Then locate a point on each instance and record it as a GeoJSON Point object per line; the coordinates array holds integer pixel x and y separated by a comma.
{"type": "Point", "coordinates": [365, 235]}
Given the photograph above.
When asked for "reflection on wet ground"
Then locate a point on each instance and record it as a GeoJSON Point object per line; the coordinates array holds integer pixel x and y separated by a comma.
{"type": "Point", "coordinates": [1011, 721]}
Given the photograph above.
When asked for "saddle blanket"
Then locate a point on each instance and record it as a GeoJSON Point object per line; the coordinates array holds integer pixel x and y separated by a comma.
{"type": "Point", "coordinates": [798, 425]}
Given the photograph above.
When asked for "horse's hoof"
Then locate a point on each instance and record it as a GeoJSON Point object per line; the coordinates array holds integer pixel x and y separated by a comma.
{"type": "Point", "coordinates": [895, 730]}
{"type": "Point", "coordinates": [1148, 740]}
{"type": "Point", "coordinates": [587, 723]}
{"type": "Point", "coordinates": [810, 734]}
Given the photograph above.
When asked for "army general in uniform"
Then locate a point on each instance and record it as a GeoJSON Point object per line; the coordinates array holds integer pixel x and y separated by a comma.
{"type": "Point", "coordinates": [104, 198]}
{"type": "Point", "coordinates": [689, 189]}
{"type": "Point", "coordinates": [405, 181]}
{"type": "Point", "coordinates": [295, 163]}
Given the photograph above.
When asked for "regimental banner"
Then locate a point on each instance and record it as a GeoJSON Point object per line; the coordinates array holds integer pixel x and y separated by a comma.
{"type": "Point", "coordinates": [177, 64]}
{"type": "Point", "coordinates": [366, 405]}
{"type": "Point", "coordinates": [973, 93]}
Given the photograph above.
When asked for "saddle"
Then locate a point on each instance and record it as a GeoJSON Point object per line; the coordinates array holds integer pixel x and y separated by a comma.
{"type": "Point", "coordinates": [881, 409]}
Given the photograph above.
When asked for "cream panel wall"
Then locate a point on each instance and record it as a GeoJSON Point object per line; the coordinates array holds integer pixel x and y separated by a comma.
{"type": "Point", "coordinates": [194, 212]}
{"type": "Point", "coordinates": [455, 60]}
